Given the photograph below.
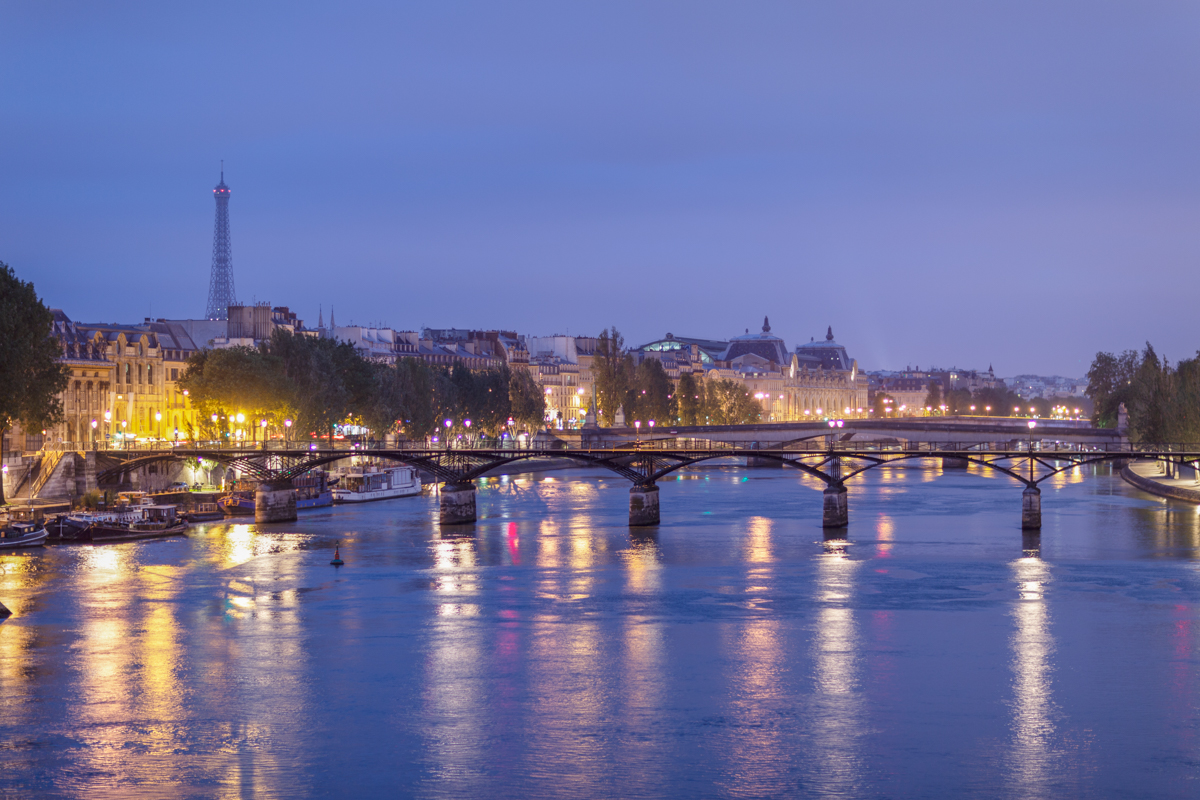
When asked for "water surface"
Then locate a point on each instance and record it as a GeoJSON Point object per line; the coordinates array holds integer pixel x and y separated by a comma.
{"type": "Point", "coordinates": [551, 651]}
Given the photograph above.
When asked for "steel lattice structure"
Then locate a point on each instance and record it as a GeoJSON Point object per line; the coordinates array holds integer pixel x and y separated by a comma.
{"type": "Point", "coordinates": [220, 284]}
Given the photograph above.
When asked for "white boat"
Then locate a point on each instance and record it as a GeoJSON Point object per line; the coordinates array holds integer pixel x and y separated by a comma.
{"type": "Point", "coordinates": [362, 483]}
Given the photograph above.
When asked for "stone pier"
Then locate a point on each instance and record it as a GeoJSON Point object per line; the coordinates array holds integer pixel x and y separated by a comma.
{"type": "Point", "coordinates": [950, 462]}
{"type": "Point", "coordinates": [643, 505]}
{"type": "Point", "coordinates": [458, 503]}
{"type": "Point", "coordinates": [275, 502]}
{"type": "Point", "coordinates": [1031, 509]}
{"type": "Point", "coordinates": [837, 507]}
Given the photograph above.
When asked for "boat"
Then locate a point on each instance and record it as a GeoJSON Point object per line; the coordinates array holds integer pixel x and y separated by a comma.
{"type": "Point", "coordinates": [312, 491]}
{"type": "Point", "coordinates": [204, 512]}
{"type": "Point", "coordinates": [22, 534]}
{"type": "Point", "coordinates": [360, 484]}
{"type": "Point", "coordinates": [74, 525]}
{"type": "Point", "coordinates": [151, 522]}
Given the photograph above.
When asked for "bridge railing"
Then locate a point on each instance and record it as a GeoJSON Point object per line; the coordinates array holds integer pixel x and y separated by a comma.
{"type": "Point", "coordinates": [679, 445]}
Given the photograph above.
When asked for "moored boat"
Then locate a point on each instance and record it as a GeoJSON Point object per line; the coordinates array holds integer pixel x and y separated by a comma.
{"type": "Point", "coordinates": [360, 484]}
{"type": "Point", "coordinates": [22, 534]}
{"type": "Point", "coordinates": [312, 491]}
{"type": "Point", "coordinates": [204, 512]}
{"type": "Point", "coordinates": [153, 522]}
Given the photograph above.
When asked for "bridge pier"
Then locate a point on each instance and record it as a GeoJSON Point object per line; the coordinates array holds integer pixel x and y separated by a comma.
{"type": "Point", "coordinates": [952, 462]}
{"type": "Point", "coordinates": [1031, 509]}
{"type": "Point", "coordinates": [643, 505]}
{"type": "Point", "coordinates": [837, 507]}
{"type": "Point", "coordinates": [457, 503]}
{"type": "Point", "coordinates": [275, 501]}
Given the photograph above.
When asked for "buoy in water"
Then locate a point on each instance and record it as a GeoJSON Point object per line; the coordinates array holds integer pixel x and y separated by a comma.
{"type": "Point", "coordinates": [337, 557]}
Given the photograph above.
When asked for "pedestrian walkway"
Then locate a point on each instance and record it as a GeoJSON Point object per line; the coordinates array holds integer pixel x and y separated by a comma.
{"type": "Point", "coordinates": [1148, 476]}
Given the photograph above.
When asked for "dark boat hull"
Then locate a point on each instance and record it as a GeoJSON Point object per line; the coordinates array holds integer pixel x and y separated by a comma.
{"type": "Point", "coordinates": [99, 534]}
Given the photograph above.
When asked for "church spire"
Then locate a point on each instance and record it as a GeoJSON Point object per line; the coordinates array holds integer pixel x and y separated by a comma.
{"type": "Point", "coordinates": [331, 322]}
{"type": "Point", "coordinates": [320, 317]}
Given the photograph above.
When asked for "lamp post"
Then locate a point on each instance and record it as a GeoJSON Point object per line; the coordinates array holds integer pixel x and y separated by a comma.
{"type": "Point", "coordinates": [158, 423]}
{"type": "Point", "coordinates": [637, 426]}
{"type": "Point", "coordinates": [467, 425]}
{"type": "Point", "coordinates": [264, 427]}
{"type": "Point", "coordinates": [93, 434]}
{"type": "Point", "coordinates": [448, 424]}
{"type": "Point", "coordinates": [1032, 425]}
{"type": "Point", "coordinates": [287, 430]}
{"type": "Point", "coordinates": [107, 427]}
{"type": "Point", "coordinates": [651, 424]}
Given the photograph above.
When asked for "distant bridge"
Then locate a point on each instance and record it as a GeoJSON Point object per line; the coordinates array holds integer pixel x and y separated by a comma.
{"type": "Point", "coordinates": [1029, 462]}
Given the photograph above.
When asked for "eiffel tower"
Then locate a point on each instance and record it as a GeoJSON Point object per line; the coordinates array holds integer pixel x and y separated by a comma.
{"type": "Point", "coordinates": [220, 284]}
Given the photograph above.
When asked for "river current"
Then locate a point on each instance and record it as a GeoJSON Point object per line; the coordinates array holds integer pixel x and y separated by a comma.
{"type": "Point", "coordinates": [549, 650]}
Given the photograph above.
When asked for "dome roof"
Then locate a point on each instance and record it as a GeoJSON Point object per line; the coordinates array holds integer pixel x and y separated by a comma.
{"type": "Point", "coordinates": [828, 353]}
{"type": "Point", "coordinates": [764, 345]}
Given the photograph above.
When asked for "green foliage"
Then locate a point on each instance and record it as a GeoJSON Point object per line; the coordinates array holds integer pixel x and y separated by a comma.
{"type": "Point", "coordinates": [31, 375]}
{"type": "Point", "coordinates": [997, 402]}
{"type": "Point", "coordinates": [1163, 402]}
{"type": "Point", "coordinates": [883, 401]}
{"type": "Point", "coordinates": [236, 380]}
{"type": "Point", "coordinates": [933, 398]}
{"type": "Point", "coordinates": [612, 370]}
{"type": "Point", "coordinates": [690, 405]}
{"type": "Point", "coordinates": [959, 401]}
{"type": "Point", "coordinates": [526, 400]}
{"type": "Point", "coordinates": [726, 402]}
{"type": "Point", "coordinates": [650, 395]}
{"type": "Point", "coordinates": [1110, 383]}
{"type": "Point", "coordinates": [90, 500]}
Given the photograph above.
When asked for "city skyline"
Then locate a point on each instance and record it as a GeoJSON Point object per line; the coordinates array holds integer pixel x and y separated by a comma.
{"type": "Point", "coordinates": [940, 186]}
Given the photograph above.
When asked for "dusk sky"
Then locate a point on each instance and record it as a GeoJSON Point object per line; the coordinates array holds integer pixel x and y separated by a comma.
{"type": "Point", "coordinates": [943, 183]}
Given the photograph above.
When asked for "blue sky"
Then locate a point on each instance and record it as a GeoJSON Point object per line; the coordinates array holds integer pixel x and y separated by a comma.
{"type": "Point", "coordinates": [943, 183]}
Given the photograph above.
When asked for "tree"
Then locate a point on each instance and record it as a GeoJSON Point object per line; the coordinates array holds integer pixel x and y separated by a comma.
{"type": "Point", "coordinates": [1110, 383]}
{"type": "Point", "coordinates": [611, 370]}
{"type": "Point", "coordinates": [883, 403]}
{"type": "Point", "coordinates": [690, 394]}
{"type": "Point", "coordinates": [527, 400]}
{"type": "Point", "coordinates": [236, 380]}
{"type": "Point", "coordinates": [31, 375]}
{"type": "Point", "coordinates": [728, 403]}
{"type": "Point", "coordinates": [933, 398]}
{"type": "Point", "coordinates": [649, 396]}
{"type": "Point", "coordinates": [959, 401]}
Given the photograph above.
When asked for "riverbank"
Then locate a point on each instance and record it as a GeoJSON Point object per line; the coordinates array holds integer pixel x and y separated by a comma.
{"type": "Point", "coordinates": [1146, 475]}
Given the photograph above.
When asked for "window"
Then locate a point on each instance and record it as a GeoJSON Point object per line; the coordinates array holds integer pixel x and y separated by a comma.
{"type": "Point", "coordinates": [174, 374]}
{"type": "Point", "coordinates": [150, 374]}
{"type": "Point", "coordinates": [139, 374]}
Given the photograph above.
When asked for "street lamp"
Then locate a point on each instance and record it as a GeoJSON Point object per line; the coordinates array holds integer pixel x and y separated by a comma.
{"type": "Point", "coordinates": [448, 424]}
{"type": "Point", "coordinates": [1032, 425]}
{"type": "Point", "coordinates": [158, 422]}
{"type": "Point", "coordinates": [651, 424]}
{"type": "Point", "coordinates": [287, 429]}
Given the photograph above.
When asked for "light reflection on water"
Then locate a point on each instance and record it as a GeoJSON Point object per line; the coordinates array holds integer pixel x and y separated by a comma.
{"type": "Point", "coordinates": [550, 650]}
{"type": "Point", "coordinates": [1033, 690]}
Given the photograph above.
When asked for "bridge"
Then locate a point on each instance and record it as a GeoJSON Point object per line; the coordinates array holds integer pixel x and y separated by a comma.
{"type": "Point", "coordinates": [832, 461]}
{"type": "Point", "coordinates": [909, 429]}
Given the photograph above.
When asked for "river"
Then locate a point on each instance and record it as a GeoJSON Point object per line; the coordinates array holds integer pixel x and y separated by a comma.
{"type": "Point", "coordinates": [551, 651]}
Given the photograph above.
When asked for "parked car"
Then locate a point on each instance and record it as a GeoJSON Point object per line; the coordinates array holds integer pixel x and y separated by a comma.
{"type": "Point", "coordinates": [177, 486]}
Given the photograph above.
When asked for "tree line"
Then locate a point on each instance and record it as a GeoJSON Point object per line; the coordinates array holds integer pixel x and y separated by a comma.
{"type": "Point", "coordinates": [318, 384]}
{"type": "Point", "coordinates": [1163, 401]}
{"type": "Point", "coordinates": [646, 392]}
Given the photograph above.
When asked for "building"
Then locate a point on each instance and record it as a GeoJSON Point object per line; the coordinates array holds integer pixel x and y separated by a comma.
{"type": "Point", "coordinates": [118, 385]}
{"type": "Point", "coordinates": [817, 380]}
